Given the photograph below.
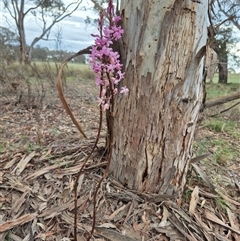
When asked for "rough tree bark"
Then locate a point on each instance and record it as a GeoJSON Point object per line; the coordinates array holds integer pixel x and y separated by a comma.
{"type": "Point", "coordinates": [223, 65]}
{"type": "Point", "coordinates": [162, 50]}
{"type": "Point", "coordinates": [221, 50]}
{"type": "Point", "coordinates": [211, 63]}
{"type": "Point", "coordinates": [223, 73]}
{"type": "Point", "coordinates": [21, 31]}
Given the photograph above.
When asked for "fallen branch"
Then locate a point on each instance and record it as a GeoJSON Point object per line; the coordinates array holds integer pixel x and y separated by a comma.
{"type": "Point", "coordinates": [222, 111]}
{"type": "Point", "coordinates": [222, 100]}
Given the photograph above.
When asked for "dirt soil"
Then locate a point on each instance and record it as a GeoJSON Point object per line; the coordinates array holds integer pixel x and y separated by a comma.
{"type": "Point", "coordinates": [41, 152]}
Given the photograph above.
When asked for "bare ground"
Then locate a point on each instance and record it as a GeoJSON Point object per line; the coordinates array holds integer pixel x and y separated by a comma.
{"type": "Point", "coordinates": [41, 152]}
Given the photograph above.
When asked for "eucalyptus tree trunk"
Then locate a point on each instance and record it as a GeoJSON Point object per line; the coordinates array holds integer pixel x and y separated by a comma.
{"type": "Point", "coordinates": [211, 63]}
{"type": "Point", "coordinates": [23, 44]}
{"type": "Point", "coordinates": [162, 51]}
{"type": "Point", "coordinates": [223, 65]}
{"type": "Point", "coordinates": [223, 72]}
{"type": "Point", "coordinates": [19, 19]}
{"type": "Point", "coordinates": [221, 49]}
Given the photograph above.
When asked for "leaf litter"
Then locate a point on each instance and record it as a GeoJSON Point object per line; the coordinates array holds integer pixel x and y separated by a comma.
{"type": "Point", "coordinates": [41, 153]}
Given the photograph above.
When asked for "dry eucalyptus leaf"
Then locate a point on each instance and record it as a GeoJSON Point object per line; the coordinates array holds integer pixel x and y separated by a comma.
{"type": "Point", "coordinates": [194, 200]}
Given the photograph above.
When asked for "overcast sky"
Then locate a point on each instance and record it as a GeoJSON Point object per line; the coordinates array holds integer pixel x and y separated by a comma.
{"type": "Point", "coordinates": [76, 34]}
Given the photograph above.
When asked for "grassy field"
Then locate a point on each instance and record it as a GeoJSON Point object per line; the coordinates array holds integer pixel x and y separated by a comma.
{"type": "Point", "coordinates": [71, 70]}
{"type": "Point", "coordinates": [232, 78]}
{"type": "Point", "coordinates": [215, 90]}
{"type": "Point", "coordinates": [219, 133]}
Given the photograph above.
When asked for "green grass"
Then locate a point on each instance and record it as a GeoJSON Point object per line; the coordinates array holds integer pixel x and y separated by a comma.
{"type": "Point", "coordinates": [222, 151]}
{"type": "Point", "coordinates": [223, 139]}
{"type": "Point", "coordinates": [221, 133]}
{"type": "Point", "coordinates": [70, 70]}
{"type": "Point", "coordinates": [221, 125]}
{"type": "Point", "coordinates": [215, 90]}
{"type": "Point", "coordinates": [232, 78]}
{"type": "Point", "coordinates": [49, 71]}
{"type": "Point", "coordinates": [2, 148]}
{"type": "Point", "coordinates": [9, 234]}
{"type": "Point", "coordinates": [221, 204]}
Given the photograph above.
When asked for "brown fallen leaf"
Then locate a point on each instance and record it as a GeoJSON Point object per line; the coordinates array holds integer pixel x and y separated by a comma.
{"type": "Point", "coordinates": [18, 185]}
{"type": "Point", "coordinates": [23, 163]}
{"type": "Point", "coordinates": [18, 204]}
{"type": "Point", "coordinates": [165, 216]}
{"type": "Point", "coordinates": [130, 232]}
{"type": "Point", "coordinates": [112, 235]}
{"type": "Point", "coordinates": [194, 200]}
{"type": "Point", "coordinates": [233, 220]}
{"type": "Point", "coordinates": [203, 175]}
{"type": "Point", "coordinates": [46, 169]}
{"type": "Point", "coordinates": [19, 221]}
{"type": "Point", "coordinates": [70, 220]}
{"type": "Point", "coordinates": [11, 163]}
{"type": "Point", "coordinates": [212, 217]}
{"type": "Point", "coordinates": [119, 212]}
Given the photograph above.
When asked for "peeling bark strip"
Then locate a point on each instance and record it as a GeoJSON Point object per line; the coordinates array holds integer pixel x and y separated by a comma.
{"type": "Point", "coordinates": [163, 46]}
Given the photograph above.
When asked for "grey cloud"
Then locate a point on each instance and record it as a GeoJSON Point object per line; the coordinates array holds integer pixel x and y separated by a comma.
{"type": "Point", "coordinates": [75, 19]}
{"type": "Point", "coordinates": [75, 35]}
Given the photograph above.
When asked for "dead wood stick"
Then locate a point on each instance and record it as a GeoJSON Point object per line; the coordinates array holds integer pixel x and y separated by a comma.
{"type": "Point", "coordinates": [222, 99]}
{"type": "Point", "coordinates": [222, 111]}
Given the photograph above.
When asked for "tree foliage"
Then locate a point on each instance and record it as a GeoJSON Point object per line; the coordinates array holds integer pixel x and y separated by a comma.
{"type": "Point", "coordinates": [231, 10]}
{"type": "Point", "coordinates": [9, 45]}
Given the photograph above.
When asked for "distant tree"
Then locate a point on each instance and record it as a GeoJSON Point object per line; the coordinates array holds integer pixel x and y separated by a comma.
{"type": "Point", "coordinates": [224, 42]}
{"type": "Point", "coordinates": [46, 12]}
{"type": "Point", "coordinates": [9, 44]}
{"type": "Point", "coordinates": [225, 14]}
{"type": "Point", "coordinates": [80, 59]}
{"type": "Point", "coordinates": [58, 34]}
{"type": "Point", "coordinates": [40, 53]}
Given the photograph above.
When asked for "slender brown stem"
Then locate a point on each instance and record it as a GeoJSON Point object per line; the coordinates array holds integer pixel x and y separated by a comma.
{"type": "Point", "coordinates": [60, 90]}
{"type": "Point", "coordinates": [110, 120]}
{"type": "Point", "coordinates": [80, 171]}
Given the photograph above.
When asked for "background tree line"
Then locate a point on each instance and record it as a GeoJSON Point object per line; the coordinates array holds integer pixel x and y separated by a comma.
{"type": "Point", "coordinates": [224, 16]}
{"type": "Point", "coordinates": [47, 13]}
{"type": "Point", "coordinates": [10, 50]}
